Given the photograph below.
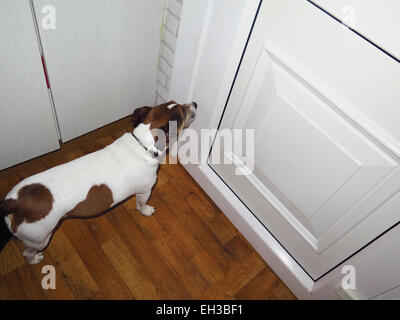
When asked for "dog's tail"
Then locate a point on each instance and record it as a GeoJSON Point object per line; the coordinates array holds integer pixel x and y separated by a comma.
{"type": "Point", "coordinates": [6, 207]}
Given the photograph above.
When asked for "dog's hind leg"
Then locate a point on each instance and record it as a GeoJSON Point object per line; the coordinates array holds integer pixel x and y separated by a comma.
{"type": "Point", "coordinates": [32, 253]}
{"type": "Point", "coordinates": [141, 200]}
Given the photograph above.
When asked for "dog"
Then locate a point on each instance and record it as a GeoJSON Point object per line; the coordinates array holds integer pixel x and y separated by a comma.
{"type": "Point", "coordinates": [90, 185]}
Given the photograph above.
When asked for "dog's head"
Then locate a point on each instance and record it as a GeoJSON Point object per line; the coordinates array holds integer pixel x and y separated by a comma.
{"type": "Point", "coordinates": [163, 121]}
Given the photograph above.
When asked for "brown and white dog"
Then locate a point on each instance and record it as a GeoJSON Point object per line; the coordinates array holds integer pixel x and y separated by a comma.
{"type": "Point", "coordinates": [90, 185]}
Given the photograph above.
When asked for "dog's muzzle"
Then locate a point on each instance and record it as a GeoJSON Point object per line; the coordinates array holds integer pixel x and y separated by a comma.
{"type": "Point", "coordinates": [192, 116]}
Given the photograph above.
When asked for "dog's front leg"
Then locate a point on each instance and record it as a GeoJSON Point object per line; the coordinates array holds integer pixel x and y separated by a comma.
{"type": "Point", "coordinates": [141, 200]}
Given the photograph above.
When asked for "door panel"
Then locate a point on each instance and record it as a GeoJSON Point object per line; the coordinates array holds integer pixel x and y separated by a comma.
{"type": "Point", "coordinates": [316, 162]}
{"type": "Point", "coordinates": [315, 171]}
{"type": "Point", "coordinates": [27, 127]}
{"type": "Point", "coordinates": [101, 59]}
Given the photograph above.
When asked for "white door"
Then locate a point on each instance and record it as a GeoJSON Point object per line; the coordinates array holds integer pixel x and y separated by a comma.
{"type": "Point", "coordinates": [324, 106]}
{"type": "Point", "coordinates": [27, 127]}
{"type": "Point", "coordinates": [101, 58]}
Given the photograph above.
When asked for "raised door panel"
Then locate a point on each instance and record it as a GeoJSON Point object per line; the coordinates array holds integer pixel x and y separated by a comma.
{"type": "Point", "coordinates": [101, 59]}
{"type": "Point", "coordinates": [27, 126]}
{"type": "Point", "coordinates": [319, 167]}
{"type": "Point", "coordinates": [320, 171]}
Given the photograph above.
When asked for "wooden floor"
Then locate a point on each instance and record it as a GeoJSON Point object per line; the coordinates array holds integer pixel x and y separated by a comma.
{"type": "Point", "coordinates": [187, 250]}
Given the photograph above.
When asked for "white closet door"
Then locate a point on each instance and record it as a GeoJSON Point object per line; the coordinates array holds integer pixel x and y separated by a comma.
{"type": "Point", "coordinates": [27, 127]}
{"type": "Point", "coordinates": [101, 59]}
{"type": "Point", "coordinates": [323, 104]}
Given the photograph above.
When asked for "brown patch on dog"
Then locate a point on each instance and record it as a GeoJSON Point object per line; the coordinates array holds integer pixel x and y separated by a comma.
{"type": "Point", "coordinates": [34, 203]}
{"type": "Point", "coordinates": [160, 116]}
{"type": "Point", "coordinates": [139, 114]}
{"type": "Point", "coordinates": [98, 200]}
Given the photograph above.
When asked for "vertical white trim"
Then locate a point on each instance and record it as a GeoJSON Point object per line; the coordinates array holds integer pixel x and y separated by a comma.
{"type": "Point", "coordinates": [199, 53]}
{"type": "Point", "coordinates": [233, 61]}
{"type": "Point", "coordinates": [186, 52]}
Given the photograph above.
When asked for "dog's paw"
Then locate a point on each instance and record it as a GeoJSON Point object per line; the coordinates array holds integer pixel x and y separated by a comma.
{"type": "Point", "coordinates": [147, 210]}
{"type": "Point", "coordinates": [34, 259]}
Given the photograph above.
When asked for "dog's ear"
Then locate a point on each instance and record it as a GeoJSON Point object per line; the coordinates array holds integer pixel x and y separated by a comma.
{"type": "Point", "coordinates": [139, 114]}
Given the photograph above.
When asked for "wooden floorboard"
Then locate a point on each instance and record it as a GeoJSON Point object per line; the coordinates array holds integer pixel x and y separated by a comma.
{"type": "Point", "coordinates": [187, 250]}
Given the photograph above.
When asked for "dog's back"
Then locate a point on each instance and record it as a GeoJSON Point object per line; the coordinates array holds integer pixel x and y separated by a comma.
{"type": "Point", "coordinates": [94, 182]}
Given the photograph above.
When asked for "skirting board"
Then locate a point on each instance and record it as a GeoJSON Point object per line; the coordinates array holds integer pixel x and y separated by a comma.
{"type": "Point", "coordinates": [262, 241]}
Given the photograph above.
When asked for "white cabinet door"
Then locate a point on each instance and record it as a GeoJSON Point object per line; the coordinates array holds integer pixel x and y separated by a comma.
{"type": "Point", "coordinates": [101, 59]}
{"type": "Point", "coordinates": [323, 103]}
{"type": "Point", "coordinates": [27, 127]}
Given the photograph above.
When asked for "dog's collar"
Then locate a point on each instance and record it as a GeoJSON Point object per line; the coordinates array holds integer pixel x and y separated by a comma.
{"type": "Point", "coordinates": [151, 153]}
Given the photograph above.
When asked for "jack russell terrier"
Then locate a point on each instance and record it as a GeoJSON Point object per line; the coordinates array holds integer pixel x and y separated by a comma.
{"type": "Point", "coordinates": [89, 185]}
